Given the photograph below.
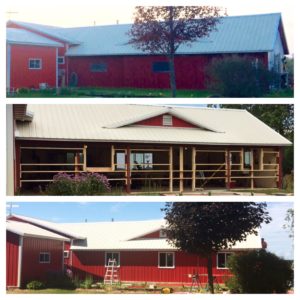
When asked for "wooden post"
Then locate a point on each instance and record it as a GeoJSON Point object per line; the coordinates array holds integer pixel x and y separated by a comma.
{"type": "Point", "coordinates": [112, 158]}
{"type": "Point", "coordinates": [17, 173]}
{"type": "Point", "coordinates": [252, 170]}
{"type": "Point", "coordinates": [181, 166]}
{"type": "Point", "coordinates": [171, 169]}
{"type": "Point", "coordinates": [279, 162]}
{"type": "Point", "coordinates": [261, 159]}
{"type": "Point", "coordinates": [76, 161]}
{"type": "Point", "coordinates": [242, 159]}
{"type": "Point", "coordinates": [128, 176]}
{"type": "Point", "coordinates": [84, 158]}
{"type": "Point", "coordinates": [228, 169]}
{"type": "Point", "coordinates": [193, 169]}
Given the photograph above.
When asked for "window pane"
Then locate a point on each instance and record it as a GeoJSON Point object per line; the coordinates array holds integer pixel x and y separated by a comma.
{"type": "Point", "coordinates": [221, 260]}
{"type": "Point", "coordinates": [120, 161]}
{"type": "Point", "coordinates": [169, 259]}
{"type": "Point", "coordinates": [102, 67]}
{"type": "Point", "coordinates": [247, 159]}
{"type": "Point", "coordinates": [162, 259]}
{"type": "Point", "coordinates": [160, 66]}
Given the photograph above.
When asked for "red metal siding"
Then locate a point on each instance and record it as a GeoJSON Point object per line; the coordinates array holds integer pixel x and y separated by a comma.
{"type": "Point", "coordinates": [143, 266]}
{"type": "Point", "coordinates": [151, 235]}
{"type": "Point", "coordinates": [136, 71]}
{"type": "Point", "coordinates": [12, 258]}
{"type": "Point", "coordinates": [158, 121]}
{"type": "Point", "coordinates": [22, 76]}
{"type": "Point", "coordinates": [32, 269]}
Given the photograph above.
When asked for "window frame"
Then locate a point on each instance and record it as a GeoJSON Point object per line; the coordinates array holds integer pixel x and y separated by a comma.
{"type": "Point", "coordinates": [173, 260]}
{"type": "Point", "coordinates": [163, 233]}
{"type": "Point", "coordinates": [157, 67]}
{"type": "Point", "coordinates": [44, 253]}
{"type": "Point", "coordinates": [247, 166]}
{"type": "Point", "coordinates": [35, 59]}
{"type": "Point", "coordinates": [225, 260]}
{"type": "Point", "coordinates": [63, 60]}
{"type": "Point", "coordinates": [66, 254]}
{"type": "Point", "coordinates": [112, 252]}
{"type": "Point", "coordinates": [167, 120]}
{"type": "Point", "coordinates": [102, 69]}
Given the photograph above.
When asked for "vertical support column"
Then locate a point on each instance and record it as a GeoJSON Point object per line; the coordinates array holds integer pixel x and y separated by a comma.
{"type": "Point", "coordinates": [84, 158]}
{"type": "Point", "coordinates": [279, 167]}
{"type": "Point", "coordinates": [193, 169]}
{"type": "Point", "coordinates": [128, 175]}
{"type": "Point", "coordinates": [20, 263]}
{"type": "Point", "coordinates": [181, 152]}
{"type": "Point", "coordinates": [171, 169]}
{"type": "Point", "coordinates": [242, 159]}
{"type": "Point", "coordinates": [112, 158]}
{"type": "Point", "coordinates": [77, 161]}
{"type": "Point", "coordinates": [261, 159]}
{"type": "Point", "coordinates": [18, 175]}
{"type": "Point", "coordinates": [252, 170]}
{"type": "Point", "coordinates": [228, 169]}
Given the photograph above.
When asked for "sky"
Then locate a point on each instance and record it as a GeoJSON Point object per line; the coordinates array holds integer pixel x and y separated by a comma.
{"type": "Point", "coordinates": [88, 13]}
{"type": "Point", "coordinates": [71, 212]}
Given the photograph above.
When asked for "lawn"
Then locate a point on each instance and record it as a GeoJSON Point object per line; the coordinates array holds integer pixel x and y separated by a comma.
{"type": "Point", "coordinates": [127, 93]}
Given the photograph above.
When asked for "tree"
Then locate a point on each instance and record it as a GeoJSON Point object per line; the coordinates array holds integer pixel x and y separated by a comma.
{"type": "Point", "coordinates": [203, 228]}
{"type": "Point", "coordinates": [289, 225]}
{"type": "Point", "coordinates": [162, 29]}
{"type": "Point", "coordinates": [260, 272]}
{"type": "Point", "coordinates": [280, 117]}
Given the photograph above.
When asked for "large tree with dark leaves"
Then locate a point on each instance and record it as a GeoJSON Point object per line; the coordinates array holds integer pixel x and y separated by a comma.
{"type": "Point", "coordinates": [203, 228]}
{"type": "Point", "coordinates": [162, 29]}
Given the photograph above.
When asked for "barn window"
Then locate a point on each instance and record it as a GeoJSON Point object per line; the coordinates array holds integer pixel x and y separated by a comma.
{"type": "Point", "coordinates": [138, 161]}
{"type": "Point", "coordinates": [160, 67]}
{"type": "Point", "coordinates": [102, 67]}
{"type": "Point", "coordinates": [61, 60]}
{"type": "Point", "coordinates": [112, 256]}
{"type": "Point", "coordinates": [35, 63]}
{"type": "Point", "coordinates": [44, 257]}
{"type": "Point", "coordinates": [66, 254]}
{"type": "Point", "coordinates": [222, 260]}
{"type": "Point", "coordinates": [166, 260]}
{"type": "Point", "coordinates": [162, 233]}
{"type": "Point", "coordinates": [167, 120]}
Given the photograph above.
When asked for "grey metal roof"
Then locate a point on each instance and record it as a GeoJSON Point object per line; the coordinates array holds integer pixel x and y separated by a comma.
{"type": "Point", "coordinates": [25, 229]}
{"type": "Point", "coordinates": [253, 33]}
{"type": "Point", "coordinates": [89, 122]}
{"type": "Point", "coordinates": [24, 37]}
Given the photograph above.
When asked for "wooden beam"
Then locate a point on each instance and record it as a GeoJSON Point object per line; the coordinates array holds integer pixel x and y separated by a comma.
{"type": "Point", "coordinates": [228, 168]}
{"type": "Point", "coordinates": [261, 159]}
{"type": "Point", "coordinates": [171, 169]}
{"type": "Point", "coordinates": [128, 175]}
{"type": "Point", "coordinates": [242, 159]}
{"type": "Point", "coordinates": [112, 157]}
{"type": "Point", "coordinates": [181, 167]}
{"type": "Point", "coordinates": [84, 157]}
{"type": "Point", "coordinates": [280, 173]}
{"type": "Point", "coordinates": [252, 169]}
{"type": "Point", "coordinates": [194, 168]}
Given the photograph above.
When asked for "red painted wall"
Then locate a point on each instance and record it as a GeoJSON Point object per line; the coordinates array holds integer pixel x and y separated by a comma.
{"type": "Point", "coordinates": [22, 76]}
{"type": "Point", "coordinates": [142, 266]}
{"type": "Point", "coordinates": [136, 71]}
{"type": "Point", "coordinates": [31, 268]}
{"type": "Point", "coordinates": [12, 257]}
{"type": "Point", "coordinates": [151, 235]}
{"type": "Point", "coordinates": [158, 121]}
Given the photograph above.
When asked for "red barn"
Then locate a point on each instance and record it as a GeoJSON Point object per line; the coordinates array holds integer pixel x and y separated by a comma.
{"type": "Point", "coordinates": [31, 253]}
{"type": "Point", "coordinates": [140, 249]}
{"type": "Point", "coordinates": [169, 149]}
{"type": "Point", "coordinates": [100, 56]}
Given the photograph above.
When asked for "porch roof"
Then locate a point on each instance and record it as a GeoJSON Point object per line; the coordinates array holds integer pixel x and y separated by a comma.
{"type": "Point", "coordinates": [93, 122]}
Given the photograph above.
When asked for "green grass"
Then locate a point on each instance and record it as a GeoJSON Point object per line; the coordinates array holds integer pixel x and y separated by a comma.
{"type": "Point", "coordinates": [109, 93]}
{"type": "Point", "coordinates": [262, 191]}
{"type": "Point", "coordinates": [286, 93]}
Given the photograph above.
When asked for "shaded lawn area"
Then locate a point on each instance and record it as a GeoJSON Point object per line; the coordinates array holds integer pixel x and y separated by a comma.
{"type": "Point", "coordinates": [127, 93]}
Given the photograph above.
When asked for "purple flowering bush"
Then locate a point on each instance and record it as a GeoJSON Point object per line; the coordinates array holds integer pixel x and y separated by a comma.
{"type": "Point", "coordinates": [83, 184]}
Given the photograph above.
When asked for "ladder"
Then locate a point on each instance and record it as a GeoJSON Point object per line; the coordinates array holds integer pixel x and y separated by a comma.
{"type": "Point", "coordinates": [195, 282]}
{"type": "Point", "coordinates": [111, 274]}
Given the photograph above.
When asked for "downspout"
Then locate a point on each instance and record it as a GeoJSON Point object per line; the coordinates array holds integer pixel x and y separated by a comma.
{"type": "Point", "coordinates": [20, 254]}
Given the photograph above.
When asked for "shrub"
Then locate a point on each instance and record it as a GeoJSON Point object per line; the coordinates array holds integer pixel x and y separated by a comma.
{"type": "Point", "coordinates": [288, 183]}
{"type": "Point", "coordinates": [236, 76]}
{"type": "Point", "coordinates": [81, 184]}
{"type": "Point", "coordinates": [63, 184]}
{"type": "Point", "coordinates": [261, 272]}
{"type": "Point", "coordinates": [58, 280]}
{"type": "Point", "coordinates": [87, 283]}
{"type": "Point", "coordinates": [35, 285]}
